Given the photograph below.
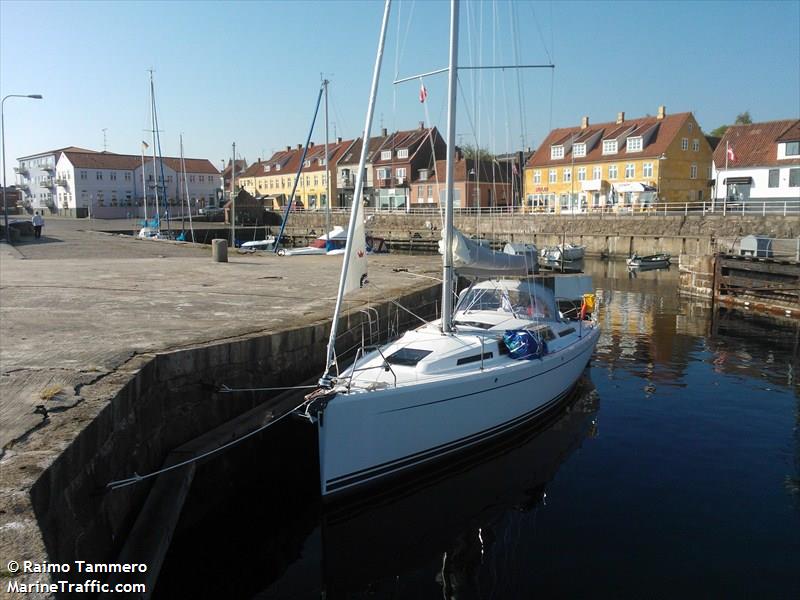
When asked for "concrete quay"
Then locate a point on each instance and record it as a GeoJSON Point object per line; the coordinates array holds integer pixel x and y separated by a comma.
{"type": "Point", "coordinates": [111, 353]}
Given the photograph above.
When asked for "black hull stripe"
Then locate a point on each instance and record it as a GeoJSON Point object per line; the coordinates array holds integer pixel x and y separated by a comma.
{"type": "Point", "coordinates": [499, 387]}
{"type": "Point", "coordinates": [446, 448]}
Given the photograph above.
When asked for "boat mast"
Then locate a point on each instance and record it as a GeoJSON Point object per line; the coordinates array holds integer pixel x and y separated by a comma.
{"type": "Point", "coordinates": [153, 119]}
{"type": "Point", "coordinates": [233, 200]}
{"type": "Point", "coordinates": [144, 187]}
{"type": "Point", "coordinates": [447, 270]}
{"type": "Point", "coordinates": [160, 155]}
{"type": "Point", "coordinates": [186, 191]}
{"type": "Point", "coordinates": [355, 209]}
{"type": "Point", "coordinates": [327, 173]}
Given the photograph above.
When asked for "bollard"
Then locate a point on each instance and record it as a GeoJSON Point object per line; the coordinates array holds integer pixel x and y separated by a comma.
{"type": "Point", "coordinates": [219, 250]}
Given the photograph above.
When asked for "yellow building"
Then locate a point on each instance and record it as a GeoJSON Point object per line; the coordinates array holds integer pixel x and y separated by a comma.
{"type": "Point", "coordinates": [275, 177]}
{"type": "Point", "coordinates": [626, 165]}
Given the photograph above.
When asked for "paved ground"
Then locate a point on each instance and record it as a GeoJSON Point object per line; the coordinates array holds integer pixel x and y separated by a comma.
{"type": "Point", "coordinates": [79, 303]}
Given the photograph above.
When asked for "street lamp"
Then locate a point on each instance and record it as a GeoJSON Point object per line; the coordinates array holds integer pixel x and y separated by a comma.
{"type": "Point", "coordinates": [3, 138]}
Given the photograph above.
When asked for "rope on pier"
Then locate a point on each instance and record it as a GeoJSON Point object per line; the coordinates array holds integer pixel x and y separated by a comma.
{"type": "Point", "coordinates": [136, 478]}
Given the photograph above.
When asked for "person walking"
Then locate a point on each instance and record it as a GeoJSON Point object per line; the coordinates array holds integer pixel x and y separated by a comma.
{"type": "Point", "coordinates": [38, 223]}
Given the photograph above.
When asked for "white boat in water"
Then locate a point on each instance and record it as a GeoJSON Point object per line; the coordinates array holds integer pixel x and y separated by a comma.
{"type": "Point", "coordinates": [652, 261]}
{"type": "Point", "coordinates": [333, 243]}
{"type": "Point", "coordinates": [563, 252]}
{"type": "Point", "coordinates": [499, 360]}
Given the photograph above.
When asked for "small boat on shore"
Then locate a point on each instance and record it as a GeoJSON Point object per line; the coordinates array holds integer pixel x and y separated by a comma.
{"type": "Point", "coordinates": [652, 261]}
{"type": "Point", "coordinates": [266, 244]}
{"type": "Point", "coordinates": [563, 252]}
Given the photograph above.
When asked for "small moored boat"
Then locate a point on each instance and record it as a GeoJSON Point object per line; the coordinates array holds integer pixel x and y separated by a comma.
{"type": "Point", "coordinates": [652, 261]}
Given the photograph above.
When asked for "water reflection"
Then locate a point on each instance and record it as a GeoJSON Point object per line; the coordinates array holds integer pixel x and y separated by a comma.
{"type": "Point", "coordinates": [452, 528]}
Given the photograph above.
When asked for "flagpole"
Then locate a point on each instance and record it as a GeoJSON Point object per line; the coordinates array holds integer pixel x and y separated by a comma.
{"type": "Point", "coordinates": [725, 197]}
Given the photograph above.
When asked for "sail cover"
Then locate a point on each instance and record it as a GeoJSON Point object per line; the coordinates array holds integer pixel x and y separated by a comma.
{"type": "Point", "coordinates": [357, 262]}
{"type": "Point", "coordinates": [473, 260]}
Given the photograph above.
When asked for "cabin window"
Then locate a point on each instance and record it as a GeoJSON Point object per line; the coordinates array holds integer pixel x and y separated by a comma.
{"type": "Point", "coordinates": [475, 358]}
{"type": "Point", "coordinates": [567, 331]}
{"type": "Point", "coordinates": [407, 357]}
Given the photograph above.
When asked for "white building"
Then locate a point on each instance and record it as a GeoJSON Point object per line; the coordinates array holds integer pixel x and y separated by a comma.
{"type": "Point", "coordinates": [763, 167]}
{"type": "Point", "coordinates": [77, 182]}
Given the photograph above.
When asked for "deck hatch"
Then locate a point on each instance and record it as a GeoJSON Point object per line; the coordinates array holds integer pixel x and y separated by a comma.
{"type": "Point", "coordinates": [407, 357]}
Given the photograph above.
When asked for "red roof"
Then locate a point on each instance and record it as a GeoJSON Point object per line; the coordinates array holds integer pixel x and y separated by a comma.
{"type": "Point", "coordinates": [756, 145]}
{"type": "Point", "coordinates": [668, 128]}
{"type": "Point", "coordinates": [109, 160]}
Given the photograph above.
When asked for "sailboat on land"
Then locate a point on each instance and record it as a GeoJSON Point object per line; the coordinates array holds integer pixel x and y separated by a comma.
{"type": "Point", "coordinates": [498, 360]}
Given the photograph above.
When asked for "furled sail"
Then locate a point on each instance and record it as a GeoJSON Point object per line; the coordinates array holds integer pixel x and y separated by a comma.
{"type": "Point", "coordinates": [357, 266]}
{"type": "Point", "coordinates": [473, 260]}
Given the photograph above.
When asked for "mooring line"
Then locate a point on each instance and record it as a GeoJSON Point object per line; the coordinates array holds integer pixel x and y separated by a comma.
{"type": "Point", "coordinates": [224, 389]}
{"type": "Point", "coordinates": [136, 478]}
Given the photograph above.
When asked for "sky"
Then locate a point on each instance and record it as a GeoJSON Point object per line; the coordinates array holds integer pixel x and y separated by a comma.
{"type": "Point", "coordinates": [250, 72]}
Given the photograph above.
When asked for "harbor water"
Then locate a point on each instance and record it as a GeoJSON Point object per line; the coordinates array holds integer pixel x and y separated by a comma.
{"type": "Point", "coordinates": [674, 469]}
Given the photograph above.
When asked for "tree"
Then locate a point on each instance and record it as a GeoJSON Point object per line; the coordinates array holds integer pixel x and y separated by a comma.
{"type": "Point", "coordinates": [741, 119]}
{"type": "Point", "coordinates": [471, 152]}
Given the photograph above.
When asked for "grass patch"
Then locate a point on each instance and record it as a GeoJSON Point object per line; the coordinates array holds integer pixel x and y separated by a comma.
{"type": "Point", "coordinates": [50, 392]}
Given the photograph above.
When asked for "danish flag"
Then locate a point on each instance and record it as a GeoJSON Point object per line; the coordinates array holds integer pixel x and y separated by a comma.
{"type": "Point", "coordinates": [423, 93]}
{"type": "Point", "coordinates": [731, 155]}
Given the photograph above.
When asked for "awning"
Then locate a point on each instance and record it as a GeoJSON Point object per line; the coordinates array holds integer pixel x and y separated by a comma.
{"type": "Point", "coordinates": [633, 186]}
{"type": "Point", "coordinates": [592, 185]}
{"type": "Point", "coordinates": [738, 181]}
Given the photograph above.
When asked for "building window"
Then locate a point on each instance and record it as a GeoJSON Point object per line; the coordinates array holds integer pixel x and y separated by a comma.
{"type": "Point", "coordinates": [597, 172]}
{"type": "Point", "coordinates": [684, 143]}
{"type": "Point", "coordinates": [609, 146]}
{"type": "Point", "coordinates": [567, 176]}
{"type": "Point", "coordinates": [423, 174]}
{"type": "Point", "coordinates": [552, 176]}
{"type": "Point", "coordinates": [127, 176]}
{"type": "Point", "coordinates": [400, 172]}
{"type": "Point", "coordinates": [612, 171]}
{"type": "Point", "coordinates": [792, 148]}
{"type": "Point", "coordinates": [307, 163]}
{"type": "Point", "coordinates": [556, 151]}
{"type": "Point", "coordinates": [537, 176]}
{"type": "Point", "coordinates": [420, 190]}
{"type": "Point", "coordinates": [647, 169]}
{"type": "Point", "coordinates": [191, 178]}
{"type": "Point", "coordinates": [113, 176]}
{"type": "Point", "coordinates": [794, 177]}
{"type": "Point", "coordinates": [99, 175]}
{"type": "Point", "coordinates": [774, 175]}
{"type": "Point", "coordinates": [690, 127]}
{"type": "Point", "coordinates": [266, 168]}
{"type": "Point", "coordinates": [383, 174]}
{"type": "Point", "coordinates": [634, 144]}
{"type": "Point", "coordinates": [402, 153]}
{"type": "Point", "coordinates": [316, 180]}
{"type": "Point", "coordinates": [579, 150]}
{"type": "Point", "coordinates": [695, 145]}
{"type": "Point", "coordinates": [203, 179]}
{"type": "Point", "coordinates": [581, 173]}
{"type": "Point", "coordinates": [693, 171]}
{"type": "Point", "coordinates": [630, 170]}
{"type": "Point", "coordinates": [386, 155]}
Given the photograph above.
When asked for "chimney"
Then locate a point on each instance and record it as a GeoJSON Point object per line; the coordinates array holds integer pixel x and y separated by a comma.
{"type": "Point", "coordinates": [662, 112]}
{"type": "Point", "coordinates": [288, 148]}
{"type": "Point", "coordinates": [422, 124]}
{"type": "Point", "coordinates": [310, 144]}
{"type": "Point", "coordinates": [584, 122]}
{"type": "Point", "coordinates": [384, 132]}
{"type": "Point", "coordinates": [620, 118]}
{"type": "Point", "coordinates": [259, 159]}
{"type": "Point", "coordinates": [299, 146]}
{"type": "Point", "coordinates": [338, 140]}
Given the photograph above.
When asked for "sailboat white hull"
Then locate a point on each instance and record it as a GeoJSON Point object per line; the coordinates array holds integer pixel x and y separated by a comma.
{"type": "Point", "coordinates": [366, 436]}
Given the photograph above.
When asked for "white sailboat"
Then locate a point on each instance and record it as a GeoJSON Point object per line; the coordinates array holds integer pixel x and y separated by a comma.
{"type": "Point", "coordinates": [502, 357]}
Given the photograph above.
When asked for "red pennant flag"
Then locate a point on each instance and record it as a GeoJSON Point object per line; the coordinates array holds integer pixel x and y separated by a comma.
{"type": "Point", "coordinates": [423, 93]}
